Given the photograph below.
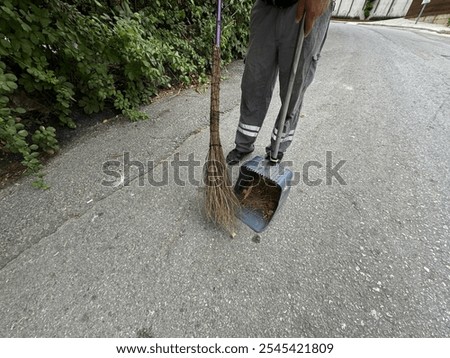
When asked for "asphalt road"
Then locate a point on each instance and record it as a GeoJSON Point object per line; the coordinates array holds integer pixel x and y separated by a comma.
{"type": "Point", "coordinates": [366, 259]}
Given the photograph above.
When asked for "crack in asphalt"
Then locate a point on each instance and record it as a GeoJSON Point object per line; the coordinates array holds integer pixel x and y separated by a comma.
{"type": "Point", "coordinates": [79, 215]}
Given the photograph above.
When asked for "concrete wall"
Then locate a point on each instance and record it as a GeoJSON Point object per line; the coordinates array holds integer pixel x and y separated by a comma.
{"type": "Point", "coordinates": [436, 19]}
{"type": "Point", "coordinates": [381, 9]}
{"type": "Point", "coordinates": [349, 9]}
{"type": "Point", "coordinates": [390, 8]}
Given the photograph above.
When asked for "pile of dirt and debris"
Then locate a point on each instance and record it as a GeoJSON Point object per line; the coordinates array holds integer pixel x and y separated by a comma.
{"type": "Point", "coordinates": [261, 195]}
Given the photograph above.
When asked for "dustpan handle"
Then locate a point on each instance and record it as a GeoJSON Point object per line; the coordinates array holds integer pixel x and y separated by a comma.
{"type": "Point", "coordinates": [284, 108]}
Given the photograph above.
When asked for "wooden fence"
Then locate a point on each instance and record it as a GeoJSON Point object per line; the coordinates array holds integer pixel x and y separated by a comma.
{"type": "Point", "coordinates": [435, 7]}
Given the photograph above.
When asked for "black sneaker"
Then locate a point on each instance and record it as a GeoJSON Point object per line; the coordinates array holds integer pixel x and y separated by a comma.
{"type": "Point", "coordinates": [235, 156]}
{"type": "Point", "coordinates": [272, 160]}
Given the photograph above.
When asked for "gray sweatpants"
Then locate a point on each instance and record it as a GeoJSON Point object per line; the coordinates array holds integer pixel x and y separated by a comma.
{"type": "Point", "coordinates": [273, 34]}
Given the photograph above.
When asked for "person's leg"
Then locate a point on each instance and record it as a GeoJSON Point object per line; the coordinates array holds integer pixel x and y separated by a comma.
{"type": "Point", "coordinates": [312, 47]}
{"type": "Point", "coordinates": [259, 75]}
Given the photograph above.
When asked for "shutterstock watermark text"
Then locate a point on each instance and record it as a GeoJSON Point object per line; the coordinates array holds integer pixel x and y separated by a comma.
{"type": "Point", "coordinates": [190, 171]}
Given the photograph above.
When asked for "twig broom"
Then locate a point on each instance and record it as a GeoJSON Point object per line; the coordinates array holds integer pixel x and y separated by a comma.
{"type": "Point", "coordinates": [221, 202]}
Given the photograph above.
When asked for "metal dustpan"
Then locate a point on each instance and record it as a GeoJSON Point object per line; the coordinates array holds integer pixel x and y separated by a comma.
{"type": "Point", "coordinates": [262, 189]}
{"type": "Point", "coordinates": [264, 184]}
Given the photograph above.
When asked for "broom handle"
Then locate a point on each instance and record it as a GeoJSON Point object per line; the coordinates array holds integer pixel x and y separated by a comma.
{"type": "Point", "coordinates": [287, 99]}
{"type": "Point", "coordinates": [215, 80]}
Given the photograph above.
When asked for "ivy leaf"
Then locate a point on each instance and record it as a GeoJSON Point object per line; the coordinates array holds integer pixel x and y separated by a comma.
{"type": "Point", "coordinates": [26, 47]}
{"type": "Point", "coordinates": [11, 85]}
{"type": "Point", "coordinates": [25, 27]}
{"type": "Point", "coordinates": [10, 77]}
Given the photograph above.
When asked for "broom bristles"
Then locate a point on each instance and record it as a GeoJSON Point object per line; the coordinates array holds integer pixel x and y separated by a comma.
{"type": "Point", "coordinates": [221, 202]}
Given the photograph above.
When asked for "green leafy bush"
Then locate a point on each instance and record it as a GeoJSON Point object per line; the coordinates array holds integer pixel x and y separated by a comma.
{"type": "Point", "coordinates": [368, 8]}
{"type": "Point", "coordinates": [57, 54]}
